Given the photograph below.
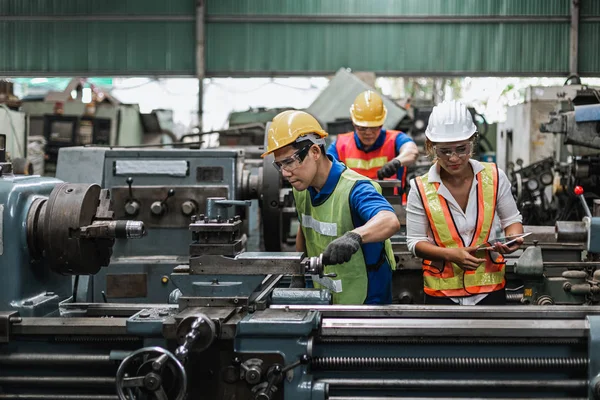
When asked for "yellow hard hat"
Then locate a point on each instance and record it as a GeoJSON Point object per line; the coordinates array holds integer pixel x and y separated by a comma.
{"type": "Point", "coordinates": [288, 126]}
{"type": "Point", "coordinates": [368, 110]}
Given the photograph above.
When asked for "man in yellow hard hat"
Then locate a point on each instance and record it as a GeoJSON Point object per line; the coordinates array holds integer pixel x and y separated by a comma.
{"type": "Point", "coordinates": [370, 150]}
{"type": "Point", "coordinates": [342, 214]}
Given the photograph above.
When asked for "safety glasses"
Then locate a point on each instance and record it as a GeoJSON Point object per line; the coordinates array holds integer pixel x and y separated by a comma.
{"type": "Point", "coordinates": [294, 161]}
{"type": "Point", "coordinates": [461, 151]}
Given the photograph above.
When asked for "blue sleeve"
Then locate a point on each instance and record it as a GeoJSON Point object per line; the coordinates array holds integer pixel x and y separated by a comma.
{"type": "Point", "coordinates": [401, 140]}
{"type": "Point", "coordinates": [332, 150]}
{"type": "Point", "coordinates": [365, 202]}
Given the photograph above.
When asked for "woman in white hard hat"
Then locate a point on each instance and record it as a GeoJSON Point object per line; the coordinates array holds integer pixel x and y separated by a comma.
{"type": "Point", "coordinates": [451, 212]}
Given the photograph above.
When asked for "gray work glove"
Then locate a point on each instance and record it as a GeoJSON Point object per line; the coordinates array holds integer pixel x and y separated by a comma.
{"type": "Point", "coordinates": [390, 169]}
{"type": "Point", "coordinates": [341, 249]}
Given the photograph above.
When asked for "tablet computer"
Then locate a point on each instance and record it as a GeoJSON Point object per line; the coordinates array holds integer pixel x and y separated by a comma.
{"type": "Point", "coordinates": [507, 240]}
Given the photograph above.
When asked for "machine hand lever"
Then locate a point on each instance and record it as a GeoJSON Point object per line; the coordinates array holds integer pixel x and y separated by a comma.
{"type": "Point", "coordinates": [170, 193]}
{"type": "Point", "coordinates": [158, 208]}
{"type": "Point", "coordinates": [579, 193]}
{"type": "Point", "coordinates": [304, 359]}
{"type": "Point", "coordinates": [129, 182]}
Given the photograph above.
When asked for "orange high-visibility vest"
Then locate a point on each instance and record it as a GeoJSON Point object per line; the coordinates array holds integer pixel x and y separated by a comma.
{"type": "Point", "coordinates": [451, 280]}
{"type": "Point", "coordinates": [367, 163]}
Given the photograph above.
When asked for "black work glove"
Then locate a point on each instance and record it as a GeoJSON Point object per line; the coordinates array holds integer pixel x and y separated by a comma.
{"type": "Point", "coordinates": [341, 249]}
{"type": "Point", "coordinates": [389, 169]}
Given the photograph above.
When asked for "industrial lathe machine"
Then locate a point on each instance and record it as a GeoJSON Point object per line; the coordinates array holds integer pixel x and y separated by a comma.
{"type": "Point", "coordinates": [230, 329]}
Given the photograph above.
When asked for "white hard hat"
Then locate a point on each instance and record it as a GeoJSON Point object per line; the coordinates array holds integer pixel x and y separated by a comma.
{"type": "Point", "coordinates": [450, 121]}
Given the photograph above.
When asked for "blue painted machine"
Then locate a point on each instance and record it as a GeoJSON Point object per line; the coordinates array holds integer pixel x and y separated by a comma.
{"type": "Point", "coordinates": [229, 332]}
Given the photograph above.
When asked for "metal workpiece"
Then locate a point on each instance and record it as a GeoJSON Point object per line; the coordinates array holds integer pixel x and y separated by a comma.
{"type": "Point", "coordinates": [257, 263]}
{"type": "Point", "coordinates": [301, 296]}
{"type": "Point", "coordinates": [113, 230]}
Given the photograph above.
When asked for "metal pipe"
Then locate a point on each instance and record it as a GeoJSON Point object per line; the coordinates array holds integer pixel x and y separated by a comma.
{"type": "Point", "coordinates": [565, 264]}
{"type": "Point", "coordinates": [200, 59]}
{"type": "Point", "coordinates": [574, 38]}
{"type": "Point", "coordinates": [46, 381]}
{"type": "Point", "coordinates": [58, 397]}
{"type": "Point", "coordinates": [53, 359]}
{"type": "Point", "coordinates": [454, 341]}
{"type": "Point", "coordinates": [445, 398]}
{"type": "Point", "coordinates": [464, 384]}
{"type": "Point", "coordinates": [384, 19]}
{"type": "Point", "coordinates": [453, 363]}
{"type": "Point", "coordinates": [419, 327]}
{"type": "Point", "coordinates": [519, 312]}
{"type": "Point", "coordinates": [94, 18]}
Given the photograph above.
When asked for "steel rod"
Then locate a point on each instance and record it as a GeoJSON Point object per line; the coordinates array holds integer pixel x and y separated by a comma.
{"type": "Point", "coordinates": [571, 264]}
{"type": "Point", "coordinates": [53, 359]}
{"type": "Point", "coordinates": [537, 384]}
{"type": "Point", "coordinates": [383, 19]}
{"type": "Point", "coordinates": [516, 312]}
{"type": "Point", "coordinates": [462, 363]}
{"type": "Point", "coordinates": [57, 397]}
{"type": "Point", "coordinates": [446, 398]}
{"type": "Point", "coordinates": [46, 381]}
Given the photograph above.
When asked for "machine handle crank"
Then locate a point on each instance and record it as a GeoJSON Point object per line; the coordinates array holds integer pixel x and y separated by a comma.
{"type": "Point", "coordinates": [314, 266]}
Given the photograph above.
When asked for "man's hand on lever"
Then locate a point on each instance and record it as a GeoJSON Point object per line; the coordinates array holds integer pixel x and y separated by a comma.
{"type": "Point", "coordinates": [342, 249]}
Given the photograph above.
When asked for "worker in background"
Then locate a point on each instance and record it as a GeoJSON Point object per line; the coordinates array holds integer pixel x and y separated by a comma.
{"type": "Point", "coordinates": [370, 150]}
{"type": "Point", "coordinates": [451, 212]}
{"type": "Point", "coordinates": [342, 214]}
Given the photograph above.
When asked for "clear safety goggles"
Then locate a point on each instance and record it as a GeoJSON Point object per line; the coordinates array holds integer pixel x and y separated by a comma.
{"type": "Point", "coordinates": [461, 151]}
{"type": "Point", "coordinates": [294, 161]}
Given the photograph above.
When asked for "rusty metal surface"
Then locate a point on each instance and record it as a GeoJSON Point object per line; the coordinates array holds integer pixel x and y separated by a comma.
{"type": "Point", "coordinates": [126, 285]}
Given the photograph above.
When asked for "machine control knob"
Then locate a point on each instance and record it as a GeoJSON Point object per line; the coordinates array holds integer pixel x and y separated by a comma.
{"type": "Point", "coordinates": [159, 207]}
{"type": "Point", "coordinates": [132, 207]}
{"type": "Point", "coordinates": [188, 208]}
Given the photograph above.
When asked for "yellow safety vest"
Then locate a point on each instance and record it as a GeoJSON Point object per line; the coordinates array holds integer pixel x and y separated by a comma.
{"type": "Point", "coordinates": [451, 280]}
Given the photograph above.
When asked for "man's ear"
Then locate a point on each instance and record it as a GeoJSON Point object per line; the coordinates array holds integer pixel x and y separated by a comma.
{"type": "Point", "coordinates": [315, 151]}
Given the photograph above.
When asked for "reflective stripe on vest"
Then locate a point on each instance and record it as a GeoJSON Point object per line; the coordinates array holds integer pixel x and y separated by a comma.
{"type": "Point", "coordinates": [366, 163]}
{"type": "Point", "coordinates": [317, 223]}
{"type": "Point", "coordinates": [449, 279]}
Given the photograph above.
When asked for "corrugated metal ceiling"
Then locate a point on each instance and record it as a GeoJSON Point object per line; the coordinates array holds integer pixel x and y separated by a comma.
{"type": "Point", "coordinates": [150, 37]}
